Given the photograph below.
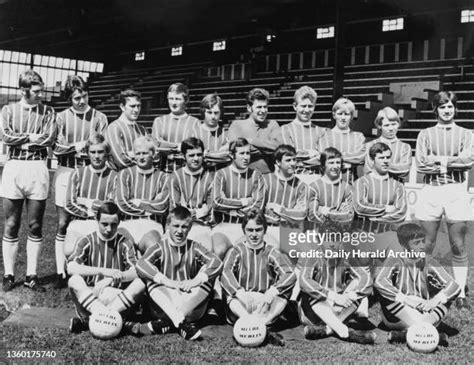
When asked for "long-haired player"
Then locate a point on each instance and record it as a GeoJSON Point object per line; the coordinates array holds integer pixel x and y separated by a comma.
{"type": "Point", "coordinates": [75, 125]}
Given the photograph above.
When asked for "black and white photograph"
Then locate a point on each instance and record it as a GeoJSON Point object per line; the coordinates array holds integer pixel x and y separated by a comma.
{"type": "Point", "coordinates": [236, 181]}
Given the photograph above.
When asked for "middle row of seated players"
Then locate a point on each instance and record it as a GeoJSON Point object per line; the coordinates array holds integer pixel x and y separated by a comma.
{"type": "Point", "coordinates": [218, 201]}
{"type": "Point", "coordinates": [179, 274]}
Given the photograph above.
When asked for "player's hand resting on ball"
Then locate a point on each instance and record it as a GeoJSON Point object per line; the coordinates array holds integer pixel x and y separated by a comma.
{"type": "Point", "coordinates": [247, 300]}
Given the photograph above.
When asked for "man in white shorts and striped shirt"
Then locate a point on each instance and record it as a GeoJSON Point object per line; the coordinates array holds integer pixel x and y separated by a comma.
{"type": "Point", "coordinates": [29, 128]}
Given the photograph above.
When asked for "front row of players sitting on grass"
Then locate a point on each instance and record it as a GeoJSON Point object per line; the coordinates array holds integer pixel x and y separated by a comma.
{"type": "Point", "coordinates": [176, 275]}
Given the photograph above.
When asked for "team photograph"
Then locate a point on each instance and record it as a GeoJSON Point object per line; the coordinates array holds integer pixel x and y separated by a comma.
{"type": "Point", "coordinates": [227, 181]}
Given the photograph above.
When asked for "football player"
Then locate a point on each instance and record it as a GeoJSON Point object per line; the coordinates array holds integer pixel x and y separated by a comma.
{"type": "Point", "coordinates": [170, 129]}
{"type": "Point", "coordinates": [212, 133]}
{"type": "Point", "coordinates": [256, 278]}
{"type": "Point", "coordinates": [191, 187]}
{"type": "Point", "coordinates": [303, 134]}
{"type": "Point", "coordinates": [88, 188]}
{"type": "Point", "coordinates": [444, 154]}
{"type": "Point", "coordinates": [350, 143]}
{"type": "Point", "coordinates": [413, 289]}
{"type": "Point", "coordinates": [122, 132]}
{"type": "Point", "coordinates": [286, 196]}
{"type": "Point", "coordinates": [237, 188]}
{"type": "Point", "coordinates": [75, 125]}
{"type": "Point", "coordinates": [143, 196]}
{"type": "Point", "coordinates": [330, 197]}
{"type": "Point", "coordinates": [262, 134]}
{"type": "Point", "coordinates": [388, 122]}
{"type": "Point", "coordinates": [102, 269]}
{"type": "Point", "coordinates": [179, 274]}
{"type": "Point", "coordinates": [379, 200]}
{"type": "Point", "coordinates": [29, 128]}
{"type": "Point", "coordinates": [331, 291]}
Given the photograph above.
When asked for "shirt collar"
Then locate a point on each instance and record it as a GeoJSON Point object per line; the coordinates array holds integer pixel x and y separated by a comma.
{"type": "Point", "coordinates": [181, 116]}
{"type": "Point", "coordinates": [168, 239]}
{"type": "Point", "coordinates": [379, 177]}
{"type": "Point", "coordinates": [105, 240]}
{"type": "Point", "coordinates": [341, 131]}
{"type": "Point", "coordinates": [189, 172]}
{"type": "Point", "coordinates": [240, 171]}
{"type": "Point", "coordinates": [98, 171]}
{"type": "Point", "coordinates": [304, 124]}
{"type": "Point", "coordinates": [207, 128]}
{"type": "Point", "coordinates": [388, 141]}
{"type": "Point", "coordinates": [81, 113]}
{"type": "Point", "coordinates": [145, 172]}
{"type": "Point", "coordinates": [126, 121]}
{"type": "Point", "coordinates": [329, 181]}
{"type": "Point", "coordinates": [280, 176]}
{"type": "Point", "coordinates": [446, 127]}
{"type": "Point", "coordinates": [253, 247]}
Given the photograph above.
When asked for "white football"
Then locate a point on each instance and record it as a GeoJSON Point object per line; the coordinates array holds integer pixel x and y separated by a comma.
{"type": "Point", "coordinates": [422, 337]}
{"type": "Point", "coordinates": [250, 331]}
{"type": "Point", "coordinates": [105, 325]}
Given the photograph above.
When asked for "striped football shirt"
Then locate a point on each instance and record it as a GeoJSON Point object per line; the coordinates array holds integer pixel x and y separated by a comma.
{"type": "Point", "coordinates": [74, 127]}
{"type": "Point", "coordinates": [351, 145]}
{"type": "Point", "coordinates": [452, 141]}
{"type": "Point", "coordinates": [19, 120]}
{"type": "Point", "coordinates": [117, 253]}
{"type": "Point", "coordinates": [400, 162]}
{"type": "Point", "coordinates": [121, 134]}
{"type": "Point", "coordinates": [180, 263]}
{"type": "Point", "coordinates": [291, 194]}
{"type": "Point", "coordinates": [87, 182]}
{"type": "Point", "coordinates": [257, 270]}
{"type": "Point", "coordinates": [173, 128]}
{"type": "Point", "coordinates": [320, 275]}
{"type": "Point", "coordinates": [336, 195]}
{"type": "Point", "coordinates": [191, 189]}
{"type": "Point", "coordinates": [403, 276]}
{"type": "Point", "coordinates": [151, 186]}
{"type": "Point", "coordinates": [232, 185]}
{"type": "Point", "coordinates": [372, 193]}
{"type": "Point", "coordinates": [213, 139]}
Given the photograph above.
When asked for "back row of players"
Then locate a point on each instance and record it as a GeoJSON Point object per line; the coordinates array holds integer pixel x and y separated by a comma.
{"type": "Point", "coordinates": [238, 172]}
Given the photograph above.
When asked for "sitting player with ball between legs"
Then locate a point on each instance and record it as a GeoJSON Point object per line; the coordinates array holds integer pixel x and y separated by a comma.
{"type": "Point", "coordinates": [102, 269]}
{"type": "Point", "coordinates": [332, 288]}
{"type": "Point", "coordinates": [413, 290]}
{"type": "Point", "coordinates": [257, 279]}
{"type": "Point", "coordinates": [179, 274]}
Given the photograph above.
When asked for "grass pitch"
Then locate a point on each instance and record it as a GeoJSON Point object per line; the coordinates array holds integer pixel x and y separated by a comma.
{"type": "Point", "coordinates": [216, 345]}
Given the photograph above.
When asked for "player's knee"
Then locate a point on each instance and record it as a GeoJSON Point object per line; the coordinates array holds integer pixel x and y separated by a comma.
{"type": "Point", "coordinates": [221, 247]}
{"type": "Point", "coordinates": [75, 282]}
{"type": "Point", "coordinates": [12, 227]}
{"type": "Point", "coordinates": [144, 244]}
{"type": "Point", "coordinates": [34, 227]}
{"type": "Point", "coordinates": [62, 226]}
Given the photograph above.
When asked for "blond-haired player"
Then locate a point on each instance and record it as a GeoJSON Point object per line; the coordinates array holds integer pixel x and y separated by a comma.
{"type": "Point", "coordinates": [350, 143]}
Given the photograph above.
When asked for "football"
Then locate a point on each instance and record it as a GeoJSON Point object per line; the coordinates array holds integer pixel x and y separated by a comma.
{"type": "Point", "coordinates": [422, 337]}
{"type": "Point", "coordinates": [105, 325]}
{"type": "Point", "coordinates": [250, 331]}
